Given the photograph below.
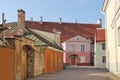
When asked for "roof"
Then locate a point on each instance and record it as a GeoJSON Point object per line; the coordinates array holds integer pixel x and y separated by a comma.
{"type": "Point", "coordinates": [12, 29]}
{"type": "Point", "coordinates": [68, 30]}
{"type": "Point", "coordinates": [43, 38]}
{"type": "Point", "coordinates": [100, 35]}
{"type": "Point", "coordinates": [11, 32]}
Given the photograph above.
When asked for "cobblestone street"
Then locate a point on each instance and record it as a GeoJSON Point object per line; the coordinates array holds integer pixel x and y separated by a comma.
{"type": "Point", "coordinates": [76, 73]}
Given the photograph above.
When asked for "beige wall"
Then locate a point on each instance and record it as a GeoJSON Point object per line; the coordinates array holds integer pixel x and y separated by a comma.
{"type": "Point", "coordinates": [22, 48]}
{"type": "Point", "coordinates": [112, 13]}
{"type": "Point", "coordinates": [38, 61]}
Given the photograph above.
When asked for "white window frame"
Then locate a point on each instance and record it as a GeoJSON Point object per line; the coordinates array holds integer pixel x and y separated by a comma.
{"type": "Point", "coordinates": [82, 59]}
{"type": "Point", "coordinates": [103, 46]}
{"type": "Point", "coordinates": [73, 47]}
{"type": "Point", "coordinates": [82, 48]}
{"type": "Point", "coordinates": [103, 59]}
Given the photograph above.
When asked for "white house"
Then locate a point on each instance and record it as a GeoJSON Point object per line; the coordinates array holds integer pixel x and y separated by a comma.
{"type": "Point", "coordinates": [100, 57]}
{"type": "Point", "coordinates": [111, 8]}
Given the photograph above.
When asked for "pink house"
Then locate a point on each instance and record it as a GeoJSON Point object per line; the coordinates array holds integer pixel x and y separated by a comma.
{"type": "Point", "coordinates": [77, 51]}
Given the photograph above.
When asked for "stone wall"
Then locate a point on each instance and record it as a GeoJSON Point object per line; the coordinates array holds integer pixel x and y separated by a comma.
{"type": "Point", "coordinates": [38, 61]}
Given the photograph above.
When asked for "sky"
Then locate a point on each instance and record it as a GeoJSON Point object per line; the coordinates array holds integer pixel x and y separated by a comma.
{"type": "Point", "coordinates": [85, 11]}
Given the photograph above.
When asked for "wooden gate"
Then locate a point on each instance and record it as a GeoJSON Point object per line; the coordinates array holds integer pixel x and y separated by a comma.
{"type": "Point", "coordinates": [6, 63]}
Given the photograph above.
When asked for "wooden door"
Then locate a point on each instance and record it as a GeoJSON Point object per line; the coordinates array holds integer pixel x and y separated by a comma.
{"type": "Point", "coordinates": [73, 60]}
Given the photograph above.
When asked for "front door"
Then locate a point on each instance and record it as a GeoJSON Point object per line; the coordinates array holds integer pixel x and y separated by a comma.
{"type": "Point", "coordinates": [73, 60]}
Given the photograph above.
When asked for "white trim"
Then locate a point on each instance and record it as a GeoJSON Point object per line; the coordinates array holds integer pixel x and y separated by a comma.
{"type": "Point", "coordinates": [117, 15]}
{"type": "Point", "coordinates": [105, 5]}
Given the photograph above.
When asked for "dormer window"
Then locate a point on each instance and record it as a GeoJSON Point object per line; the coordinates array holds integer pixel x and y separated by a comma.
{"type": "Point", "coordinates": [78, 38]}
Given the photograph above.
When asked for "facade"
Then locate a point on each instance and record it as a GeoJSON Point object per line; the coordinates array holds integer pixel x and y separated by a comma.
{"type": "Point", "coordinates": [25, 59]}
{"type": "Point", "coordinates": [111, 8]}
{"type": "Point", "coordinates": [77, 51]}
{"type": "Point", "coordinates": [28, 59]}
{"type": "Point", "coordinates": [100, 48]}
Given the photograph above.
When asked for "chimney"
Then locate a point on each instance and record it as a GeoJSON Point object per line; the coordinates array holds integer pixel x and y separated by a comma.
{"type": "Point", "coordinates": [100, 21]}
{"type": "Point", "coordinates": [60, 20]}
{"type": "Point", "coordinates": [31, 18]}
{"type": "Point", "coordinates": [21, 19]}
{"type": "Point", "coordinates": [41, 20]}
{"type": "Point", "coordinates": [75, 21]}
{"type": "Point", "coordinates": [3, 19]}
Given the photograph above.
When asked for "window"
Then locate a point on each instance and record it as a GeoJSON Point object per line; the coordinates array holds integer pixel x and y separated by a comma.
{"type": "Point", "coordinates": [103, 59]}
{"type": "Point", "coordinates": [82, 48]}
{"type": "Point", "coordinates": [73, 47]}
{"type": "Point", "coordinates": [103, 47]}
{"type": "Point", "coordinates": [82, 59]}
{"type": "Point", "coordinates": [119, 36]}
{"type": "Point", "coordinates": [78, 38]}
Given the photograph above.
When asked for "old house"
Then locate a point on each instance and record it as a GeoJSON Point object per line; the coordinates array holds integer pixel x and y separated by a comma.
{"type": "Point", "coordinates": [78, 51]}
{"type": "Point", "coordinates": [100, 48]}
{"type": "Point", "coordinates": [32, 49]}
{"type": "Point", "coordinates": [53, 53]}
{"type": "Point", "coordinates": [111, 9]}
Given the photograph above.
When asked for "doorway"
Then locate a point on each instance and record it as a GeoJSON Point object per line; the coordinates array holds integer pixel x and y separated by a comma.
{"type": "Point", "coordinates": [73, 59]}
{"type": "Point", "coordinates": [27, 62]}
{"type": "Point", "coordinates": [73, 62]}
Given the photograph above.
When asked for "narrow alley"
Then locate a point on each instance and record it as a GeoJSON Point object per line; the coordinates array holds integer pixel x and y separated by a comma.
{"type": "Point", "coordinates": [76, 73]}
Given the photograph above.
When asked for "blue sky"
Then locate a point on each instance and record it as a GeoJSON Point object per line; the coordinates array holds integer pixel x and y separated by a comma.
{"type": "Point", "coordinates": [85, 11]}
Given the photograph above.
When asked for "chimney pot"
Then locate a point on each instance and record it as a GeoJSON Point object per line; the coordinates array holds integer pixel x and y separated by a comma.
{"type": "Point", "coordinates": [41, 20]}
{"type": "Point", "coordinates": [31, 18]}
{"type": "Point", "coordinates": [60, 20]}
{"type": "Point", "coordinates": [21, 10]}
{"type": "Point", "coordinates": [100, 21]}
{"type": "Point", "coordinates": [75, 21]}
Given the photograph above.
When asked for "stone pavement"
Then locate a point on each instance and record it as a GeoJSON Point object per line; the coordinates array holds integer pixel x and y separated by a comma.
{"type": "Point", "coordinates": [76, 73]}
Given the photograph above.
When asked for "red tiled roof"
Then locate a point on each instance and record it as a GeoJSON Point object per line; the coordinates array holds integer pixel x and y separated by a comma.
{"type": "Point", "coordinates": [100, 35]}
{"type": "Point", "coordinates": [68, 30]}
